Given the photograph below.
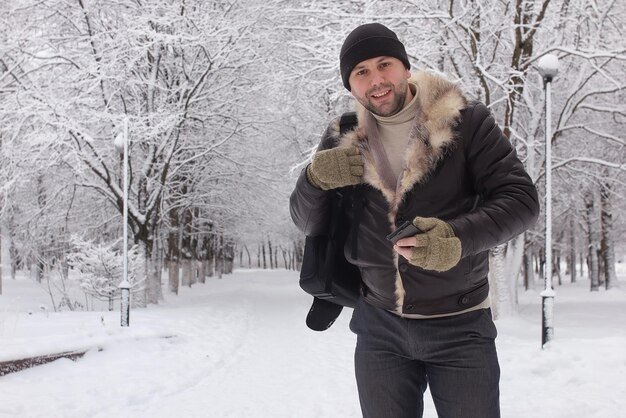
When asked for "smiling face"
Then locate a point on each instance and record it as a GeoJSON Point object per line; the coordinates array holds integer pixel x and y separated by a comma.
{"type": "Point", "coordinates": [381, 85]}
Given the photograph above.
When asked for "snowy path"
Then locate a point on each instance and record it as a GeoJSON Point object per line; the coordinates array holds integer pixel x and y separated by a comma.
{"type": "Point", "coordinates": [240, 349]}
{"type": "Point", "coordinates": [262, 358]}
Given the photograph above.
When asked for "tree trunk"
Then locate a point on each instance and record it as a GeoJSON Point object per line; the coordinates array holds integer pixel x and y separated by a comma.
{"type": "Point", "coordinates": [193, 271]}
{"type": "Point", "coordinates": [0, 263]}
{"type": "Point", "coordinates": [557, 265]}
{"type": "Point", "coordinates": [249, 259]}
{"type": "Point", "coordinates": [185, 273]}
{"type": "Point", "coordinates": [572, 250]}
{"type": "Point", "coordinates": [601, 278]}
{"type": "Point", "coordinates": [556, 270]}
{"type": "Point", "coordinates": [285, 258]}
{"type": "Point", "coordinates": [202, 253]}
{"type": "Point", "coordinates": [208, 269]}
{"type": "Point", "coordinates": [529, 273]}
{"type": "Point", "coordinates": [201, 267]}
{"type": "Point", "coordinates": [263, 254]}
{"type": "Point", "coordinates": [173, 253]}
{"type": "Point", "coordinates": [298, 252]}
{"type": "Point", "coordinates": [187, 243]}
{"type": "Point", "coordinates": [37, 266]}
{"type": "Point", "coordinates": [593, 269]}
{"type": "Point", "coordinates": [173, 276]}
{"type": "Point", "coordinates": [151, 292]}
{"type": "Point", "coordinates": [13, 255]}
{"type": "Point", "coordinates": [269, 248]}
{"type": "Point", "coordinates": [210, 255]}
{"type": "Point", "coordinates": [582, 264]}
{"type": "Point", "coordinates": [593, 244]}
{"type": "Point", "coordinates": [154, 291]}
{"type": "Point", "coordinates": [501, 300]}
{"type": "Point", "coordinates": [157, 263]}
{"type": "Point", "coordinates": [140, 294]}
{"type": "Point", "coordinates": [606, 244]}
{"type": "Point", "coordinates": [228, 266]}
{"type": "Point", "coordinates": [229, 257]}
{"type": "Point", "coordinates": [513, 262]}
{"type": "Point", "coordinates": [219, 256]}
{"type": "Point", "coordinates": [219, 266]}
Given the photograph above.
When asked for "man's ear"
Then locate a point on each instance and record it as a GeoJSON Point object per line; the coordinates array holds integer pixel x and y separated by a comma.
{"type": "Point", "coordinates": [408, 74]}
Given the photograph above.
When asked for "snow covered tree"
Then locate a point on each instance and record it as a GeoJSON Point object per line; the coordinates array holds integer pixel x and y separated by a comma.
{"type": "Point", "coordinates": [172, 69]}
{"type": "Point", "coordinates": [100, 268]}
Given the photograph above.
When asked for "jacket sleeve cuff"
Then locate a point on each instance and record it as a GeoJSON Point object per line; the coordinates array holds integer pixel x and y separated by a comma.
{"type": "Point", "coordinates": [311, 179]}
{"type": "Point", "coordinates": [462, 230]}
{"type": "Point", "coordinates": [308, 206]}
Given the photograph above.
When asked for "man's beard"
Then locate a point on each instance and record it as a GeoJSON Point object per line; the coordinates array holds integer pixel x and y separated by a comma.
{"type": "Point", "coordinates": [399, 93]}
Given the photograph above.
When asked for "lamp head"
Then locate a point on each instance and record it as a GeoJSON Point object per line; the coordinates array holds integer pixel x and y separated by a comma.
{"type": "Point", "coordinates": [548, 66]}
{"type": "Point", "coordinates": [118, 142]}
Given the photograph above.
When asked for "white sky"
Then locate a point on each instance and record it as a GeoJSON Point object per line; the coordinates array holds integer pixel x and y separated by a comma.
{"type": "Point", "coordinates": [238, 347]}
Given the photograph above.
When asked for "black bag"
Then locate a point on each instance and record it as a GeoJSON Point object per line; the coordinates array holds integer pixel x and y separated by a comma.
{"type": "Point", "coordinates": [325, 273]}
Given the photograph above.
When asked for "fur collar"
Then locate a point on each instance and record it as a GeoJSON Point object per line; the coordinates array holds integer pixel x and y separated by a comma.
{"type": "Point", "coordinates": [431, 135]}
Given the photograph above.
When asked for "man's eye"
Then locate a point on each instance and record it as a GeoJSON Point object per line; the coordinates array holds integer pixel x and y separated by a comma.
{"type": "Point", "coordinates": [384, 64]}
{"type": "Point", "coordinates": [360, 72]}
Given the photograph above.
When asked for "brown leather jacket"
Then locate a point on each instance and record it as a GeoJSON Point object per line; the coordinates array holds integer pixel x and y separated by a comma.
{"type": "Point", "coordinates": [460, 168]}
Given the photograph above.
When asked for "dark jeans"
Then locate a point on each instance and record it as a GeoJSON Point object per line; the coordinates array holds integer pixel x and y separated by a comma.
{"type": "Point", "coordinates": [396, 358]}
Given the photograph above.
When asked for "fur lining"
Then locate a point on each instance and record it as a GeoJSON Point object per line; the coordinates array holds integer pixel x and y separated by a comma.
{"type": "Point", "coordinates": [431, 135]}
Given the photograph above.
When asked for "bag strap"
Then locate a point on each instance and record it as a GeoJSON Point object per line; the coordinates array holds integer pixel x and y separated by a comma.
{"type": "Point", "coordinates": [339, 201]}
{"type": "Point", "coordinates": [347, 122]}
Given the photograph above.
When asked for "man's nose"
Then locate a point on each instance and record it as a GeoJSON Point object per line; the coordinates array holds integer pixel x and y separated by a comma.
{"type": "Point", "coordinates": [377, 78]}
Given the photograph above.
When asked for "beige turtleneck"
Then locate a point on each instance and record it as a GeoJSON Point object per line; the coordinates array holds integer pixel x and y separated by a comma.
{"type": "Point", "coordinates": [394, 132]}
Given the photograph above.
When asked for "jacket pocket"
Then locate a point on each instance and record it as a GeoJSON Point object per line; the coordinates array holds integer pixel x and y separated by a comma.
{"type": "Point", "coordinates": [474, 296]}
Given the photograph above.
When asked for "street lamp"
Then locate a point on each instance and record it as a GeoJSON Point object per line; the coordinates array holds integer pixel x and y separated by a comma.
{"type": "Point", "coordinates": [548, 67]}
{"type": "Point", "coordinates": [121, 145]}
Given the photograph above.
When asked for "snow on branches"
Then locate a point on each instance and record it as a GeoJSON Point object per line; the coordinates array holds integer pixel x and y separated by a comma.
{"type": "Point", "coordinates": [99, 268]}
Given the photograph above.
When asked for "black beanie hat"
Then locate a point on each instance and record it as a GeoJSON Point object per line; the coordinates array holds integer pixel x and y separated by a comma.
{"type": "Point", "coordinates": [369, 41]}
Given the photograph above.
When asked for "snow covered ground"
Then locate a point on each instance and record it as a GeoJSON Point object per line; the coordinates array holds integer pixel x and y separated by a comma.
{"type": "Point", "coordinates": [238, 347]}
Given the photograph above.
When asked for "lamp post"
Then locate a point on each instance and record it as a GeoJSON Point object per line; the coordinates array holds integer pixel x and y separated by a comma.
{"type": "Point", "coordinates": [121, 144]}
{"type": "Point", "coordinates": [548, 67]}
{"type": "Point", "coordinates": [125, 303]}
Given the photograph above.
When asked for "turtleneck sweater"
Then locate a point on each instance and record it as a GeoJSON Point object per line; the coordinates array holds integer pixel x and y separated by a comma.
{"type": "Point", "coordinates": [394, 132]}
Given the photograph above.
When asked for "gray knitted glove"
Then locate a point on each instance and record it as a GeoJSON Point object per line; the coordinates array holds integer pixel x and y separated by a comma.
{"type": "Point", "coordinates": [336, 167]}
{"type": "Point", "coordinates": [437, 248]}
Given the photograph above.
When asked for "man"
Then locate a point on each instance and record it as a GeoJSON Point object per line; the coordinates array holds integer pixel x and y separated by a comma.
{"type": "Point", "coordinates": [421, 152]}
